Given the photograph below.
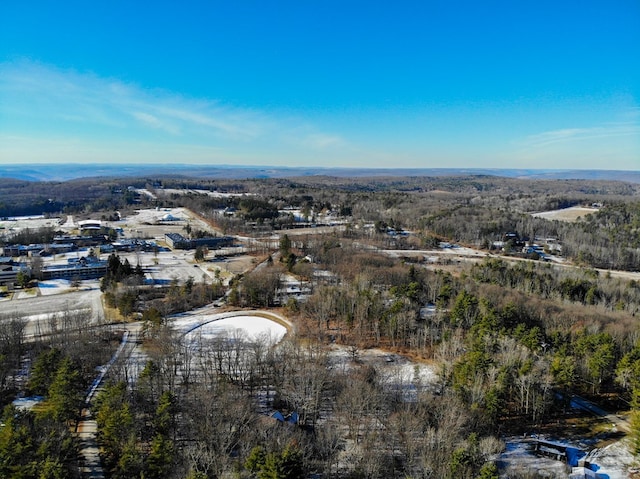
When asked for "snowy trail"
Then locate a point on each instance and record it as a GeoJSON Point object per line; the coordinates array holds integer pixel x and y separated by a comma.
{"type": "Point", "coordinates": [87, 429]}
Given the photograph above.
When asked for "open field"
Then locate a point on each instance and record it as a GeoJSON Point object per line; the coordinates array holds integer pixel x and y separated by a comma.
{"type": "Point", "coordinates": [567, 214]}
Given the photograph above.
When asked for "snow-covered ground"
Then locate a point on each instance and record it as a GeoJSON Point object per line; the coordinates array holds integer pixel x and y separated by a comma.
{"type": "Point", "coordinates": [20, 223]}
{"type": "Point", "coordinates": [58, 286]}
{"type": "Point", "coordinates": [153, 216]}
{"type": "Point", "coordinates": [518, 456]}
{"type": "Point", "coordinates": [250, 327]}
{"type": "Point", "coordinates": [214, 194]}
{"type": "Point", "coordinates": [25, 294]}
{"type": "Point", "coordinates": [610, 462]}
{"type": "Point", "coordinates": [27, 403]}
{"type": "Point", "coordinates": [397, 373]}
{"type": "Point", "coordinates": [206, 323]}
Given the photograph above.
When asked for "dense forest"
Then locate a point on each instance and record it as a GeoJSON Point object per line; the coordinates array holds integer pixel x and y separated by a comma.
{"type": "Point", "coordinates": [511, 337]}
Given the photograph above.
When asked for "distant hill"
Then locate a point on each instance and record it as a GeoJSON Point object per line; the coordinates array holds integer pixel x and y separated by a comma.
{"type": "Point", "coordinates": [63, 172]}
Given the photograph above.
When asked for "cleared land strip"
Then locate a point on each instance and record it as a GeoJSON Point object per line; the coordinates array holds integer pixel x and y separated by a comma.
{"type": "Point", "coordinates": [87, 429]}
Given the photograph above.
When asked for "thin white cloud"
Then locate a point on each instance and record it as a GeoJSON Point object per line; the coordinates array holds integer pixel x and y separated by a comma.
{"type": "Point", "coordinates": [43, 100]}
{"type": "Point", "coordinates": [322, 141]}
{"type": "Point", "coordinates": [222, 121]}
{"type": "Point", "coordinates": [555, 137]}
{"type": "Point", "coordinates": [155, 122]}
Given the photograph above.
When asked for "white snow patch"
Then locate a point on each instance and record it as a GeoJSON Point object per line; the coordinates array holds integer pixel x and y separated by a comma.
{"type": "Point", "coordinates": [205, 323]}
{"type": "Point", "coordinates": [251, 327]}
{"type": "Point", "coordinates": [58, 286]}
{"type": "Point", "coordinates": [27, 403]}
{"type": "Point", "coordinates": [610, 462]}
{"type": "Point", "coordinates": [54, 286]}
{"type": "Point", "coordinates": [613, 461]}
{"type": "Point", "coordinates": [397, 372]}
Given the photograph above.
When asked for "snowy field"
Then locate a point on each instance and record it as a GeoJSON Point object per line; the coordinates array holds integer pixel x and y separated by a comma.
{"type": "Point", "coordinates": [213, 194]}
{"type": "Point", "coordinates": [27, 403]}
{"type": "Point", "coordinates": [518, 456]}
{"type": "Point", "coordinates": [612, 461]}
{"type": "Point", "coordinates": [205, 323]}
{"type": "Point", "coordinates": [566, 214]}
{"type": "Point", "coordinates": [52, 287]}
{"type": "Point", "coordinates": [251, 328]}
{"type": "Point", "coordinates": [19, 223]}
{"type": "Point", "coordinates": [154, 216]}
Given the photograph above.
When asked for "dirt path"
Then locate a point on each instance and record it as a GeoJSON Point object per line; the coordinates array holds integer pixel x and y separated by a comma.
{"type": "Point", "coordinates": [88, 434]}
{"type": "Point", "coordinates": [87, 429]}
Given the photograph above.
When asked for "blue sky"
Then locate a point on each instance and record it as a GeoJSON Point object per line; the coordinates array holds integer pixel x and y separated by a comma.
{"type": "Point", "coordinates": [309, 83]}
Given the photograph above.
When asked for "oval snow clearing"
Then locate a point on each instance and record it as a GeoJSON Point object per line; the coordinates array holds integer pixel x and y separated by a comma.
{"type": "Point", "coordinates": [247, 327]}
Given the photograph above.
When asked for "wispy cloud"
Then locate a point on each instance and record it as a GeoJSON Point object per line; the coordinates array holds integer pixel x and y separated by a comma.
{"type": "Point", "coordinates": [155, 122]}
{"type": "Point", "coordinates": [322, 141]}
{"type": "Point", "coordinates": [41, 100]}
{"type": "Point", "coordinates": [566, 135]}
{"type": "Point", "coordinates": [317, 141]}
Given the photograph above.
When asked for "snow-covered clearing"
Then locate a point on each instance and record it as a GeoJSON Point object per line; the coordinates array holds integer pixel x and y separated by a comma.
{"type": "Point", "coordinates": [396, 372]}
{"type": "Point", "coordinates": [206, 324]}
{"type": "Point", "coordinates": [613, 461]}
{"type": "Point", "coordinates": [27, 403]}
{"type": "Point", "coordinates": [250, 327]}
{"type": "Point", "coordinates": [154, 216]}
{"type": "Point", "coordinates": [566, 214]}
{"type": "Point", "coordinates": [518, 456]}
{"type": "Point", "coordinates": [189, 191]}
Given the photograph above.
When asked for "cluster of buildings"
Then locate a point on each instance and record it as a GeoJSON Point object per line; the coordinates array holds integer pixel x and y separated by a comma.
{"type": "Point", "coordinates": [177, 241]}
{"type": "Point", "coordinates": [12, 263]}
{"type": "Point", "coordinates": [75, 269]}
{"type": "Point", "coordinates": [515, 243]}
{"type": "Point", "coordinates": [85, 267]}
{"type": "Point", "coordinates": [60, 244]}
